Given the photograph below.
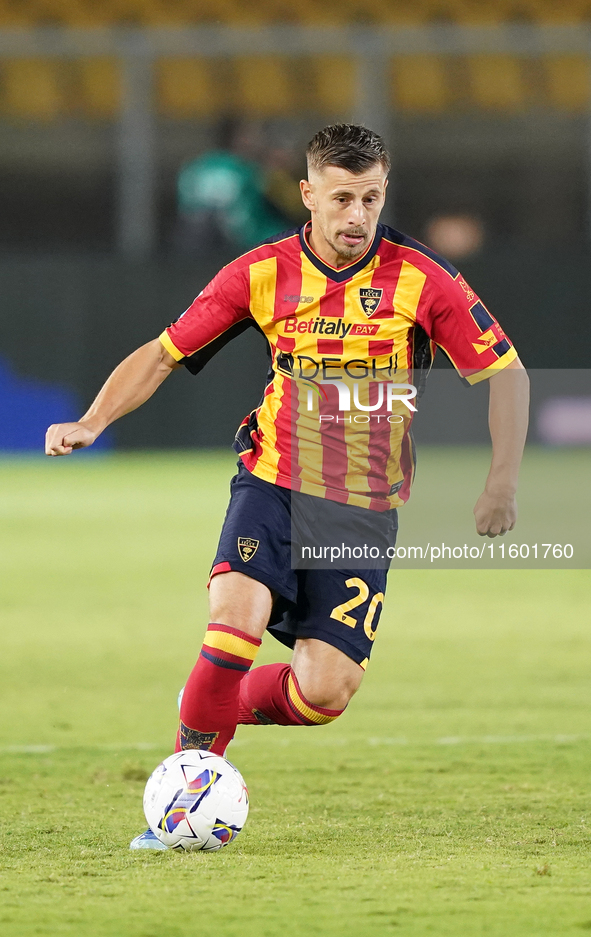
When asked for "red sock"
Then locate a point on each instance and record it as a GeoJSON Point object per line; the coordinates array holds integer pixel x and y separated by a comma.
{"type": "Point", "coordinates": [270, 695]}
{"type": "Point", "coordinates": [209, 708]}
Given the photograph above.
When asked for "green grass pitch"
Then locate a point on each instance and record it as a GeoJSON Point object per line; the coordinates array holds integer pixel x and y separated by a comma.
{"type": "Point", "coordinates": [452, 798]}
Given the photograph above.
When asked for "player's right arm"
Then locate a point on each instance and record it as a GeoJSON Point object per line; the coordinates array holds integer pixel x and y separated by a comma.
{"type": "Point", "coordinates": [129, 386]}
{"type": "Point", "coordinates": [217, 312]}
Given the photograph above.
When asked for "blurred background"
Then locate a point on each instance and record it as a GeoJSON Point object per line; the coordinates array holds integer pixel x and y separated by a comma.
{"type": "Point", "coordinates": [144, 143]}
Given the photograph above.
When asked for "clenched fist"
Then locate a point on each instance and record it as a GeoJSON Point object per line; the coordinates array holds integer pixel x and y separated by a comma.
{"type": "Point", "coordinates": [495, 514]}
{"type": "Point", "coordinates": [62, 438]}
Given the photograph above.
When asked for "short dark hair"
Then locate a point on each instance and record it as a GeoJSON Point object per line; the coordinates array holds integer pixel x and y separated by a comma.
{"type": "Point", "coordinates": [349, 146]}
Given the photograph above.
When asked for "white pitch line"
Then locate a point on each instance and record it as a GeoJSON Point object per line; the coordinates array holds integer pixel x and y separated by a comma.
{"type": "Point", "coordinates": [483, 740]}
{"type": "Point", "coordinates": [338, 741]}
{"type": "Point", "coordinates": [509, 739]}
{"type": "Point", "coordinates": [47, 749]}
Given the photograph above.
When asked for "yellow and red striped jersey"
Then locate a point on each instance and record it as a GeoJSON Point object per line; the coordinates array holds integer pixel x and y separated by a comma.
{"type": "Point", "coordinates": [347, 349]}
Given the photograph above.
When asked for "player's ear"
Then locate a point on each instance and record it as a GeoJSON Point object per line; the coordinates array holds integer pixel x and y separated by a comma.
{"type": "Point", "coordinates": [307, 195]}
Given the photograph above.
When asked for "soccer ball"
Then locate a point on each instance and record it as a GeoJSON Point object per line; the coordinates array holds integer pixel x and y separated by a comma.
{"type": "Point", "coordinates": [196, 800]}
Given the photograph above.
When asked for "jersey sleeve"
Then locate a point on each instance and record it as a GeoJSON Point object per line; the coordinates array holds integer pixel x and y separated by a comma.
{"type": "Point", "coordinates": [456, 320]}
{"type": "Point", "coordinates": [219, 312]}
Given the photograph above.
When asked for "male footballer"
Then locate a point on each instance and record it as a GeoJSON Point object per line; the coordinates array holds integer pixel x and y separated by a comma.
{"type": "Point", "coordinates": [352, 311]}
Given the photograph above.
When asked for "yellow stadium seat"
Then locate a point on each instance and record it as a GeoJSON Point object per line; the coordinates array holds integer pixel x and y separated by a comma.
{"type": "Point", "coordinates": [32, 89]}
{"type": "Point", "coordinates": [36, 12]}
{"type": "Point", "coordinates": [549, 11]}
{"type": "Point", "coordinates": [496, 82]}
{"type": "Point", "coordinates": [81, 13]}
{"type": "Point", "coordinates": [401, 12]}
{"type": "Point", "coordinates": [477, 12]}
{"type": "Point", "coordinates": [420, 83]}
{"type": "Point", "coordinates": [333, 84]}
{"type": "Point", "coordinates": [227, 12]}
{"type": "Point", "coordinates": [321, 12]}
{"type": "Point", "coordinates": [301, 12]}
{"type": "Point", "coordinates": [100, 88]}
{"type": "Point", "coordinates": [480, 12]}
{"type": "Point", "coordinates": [568, 82]}
{"type": "Point", "coordinates": [187, 88]}
{"type": "Point", "coordinates": [48, 12]}
{"type": "Point", "coordinates": [259, 13]}
{"type": "Point", "coordinates": [155, 12]}
{"type": "Point", "coordinates": [238, 12]}
{"type": "Point", "coordinates": [16, 14]}
{"type": "Point", "coordinates": [262, 86]}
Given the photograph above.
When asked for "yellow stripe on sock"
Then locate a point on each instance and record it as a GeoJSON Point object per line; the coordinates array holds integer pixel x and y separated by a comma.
{"type": "Point", "coordinates": [303, 708]}
{"type": "Point", "coordinates": [231, 644]}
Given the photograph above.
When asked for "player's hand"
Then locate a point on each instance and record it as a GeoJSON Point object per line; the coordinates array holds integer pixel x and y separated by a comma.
{"type": "Point", "coordinates": [62, 438]}
{"type": "Point", "coordinates": [495, 513]}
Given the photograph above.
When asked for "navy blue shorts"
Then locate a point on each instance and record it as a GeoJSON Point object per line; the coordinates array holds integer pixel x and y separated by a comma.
{"type": "Point", "coordinates": [340, 606]}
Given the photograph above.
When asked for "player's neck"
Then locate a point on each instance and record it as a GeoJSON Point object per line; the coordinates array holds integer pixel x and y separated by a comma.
{"type": "Point", "coordinates": [325, 251]}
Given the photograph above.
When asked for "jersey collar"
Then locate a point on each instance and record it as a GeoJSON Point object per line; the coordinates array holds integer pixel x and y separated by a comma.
{"type": "Point", "coordinates": [341, 273]}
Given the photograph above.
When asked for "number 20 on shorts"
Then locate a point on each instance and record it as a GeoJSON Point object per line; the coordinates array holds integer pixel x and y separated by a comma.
{"type": "Point", "coordinates": [341, 612]}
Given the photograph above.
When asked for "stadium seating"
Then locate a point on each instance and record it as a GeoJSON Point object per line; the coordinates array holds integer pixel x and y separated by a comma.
{"type": "Point", "coordinates": [421, 83]}
{"type": "Point", "coordinates": [272, 85]}
{"type": "Point", "coordinates": [257, 12]}
{"type": "Point", "coordinates": [98, 87]}
{"type": "Point", "coordinates": [497, 82]}
{"type": "Point", "coordinates": [187, 88]}
{"type": "Point", "coordinates": [32, 89]}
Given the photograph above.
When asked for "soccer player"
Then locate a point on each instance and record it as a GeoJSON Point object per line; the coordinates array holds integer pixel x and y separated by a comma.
{"type": "Point", "coordinates": [352, 311]}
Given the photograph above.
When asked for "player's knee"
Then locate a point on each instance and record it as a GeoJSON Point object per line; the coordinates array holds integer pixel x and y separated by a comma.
{"type": "Point", "coordinates": [327, 678]}
{"type": "Point", "coordinates": [326, 695]}
{"type": "Point", "coordinates": [239, 601]}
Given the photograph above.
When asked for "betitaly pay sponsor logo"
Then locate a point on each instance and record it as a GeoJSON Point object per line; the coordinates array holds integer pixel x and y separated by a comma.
{"type": "Point", "coordinates": [336, 328]}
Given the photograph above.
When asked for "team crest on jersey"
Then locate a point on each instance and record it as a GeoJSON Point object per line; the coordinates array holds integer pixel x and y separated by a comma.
{"type": "Point", "coordinates": [370, 298]}
{"type": "Point", "coordinates": [247, 548]}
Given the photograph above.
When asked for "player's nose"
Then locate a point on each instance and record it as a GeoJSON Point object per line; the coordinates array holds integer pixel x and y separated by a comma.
{"type": "Point", "coordinates": [357, 214]}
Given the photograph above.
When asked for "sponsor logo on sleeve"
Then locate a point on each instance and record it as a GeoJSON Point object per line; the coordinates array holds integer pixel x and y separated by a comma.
{"type": "Point", "coordinates": [488, 339]}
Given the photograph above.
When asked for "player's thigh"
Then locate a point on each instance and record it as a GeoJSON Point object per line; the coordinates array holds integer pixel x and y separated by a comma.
{"type": "Point", "coordinates": [252, 564]}
{"type": "Point", "coordinates": [341, 608]}
{"type": "Point", "coordinates": [326, 676]}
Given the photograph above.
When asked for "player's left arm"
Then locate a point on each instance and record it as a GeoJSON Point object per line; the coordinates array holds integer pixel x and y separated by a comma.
{"type": "Point", "coordinates": [456, 320]}
{"type": "Point", "coordinates": [495, 511]}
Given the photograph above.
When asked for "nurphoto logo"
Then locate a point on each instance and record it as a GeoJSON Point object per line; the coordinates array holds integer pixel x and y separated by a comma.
{"type": "Point", "coordinates": [387, 393]}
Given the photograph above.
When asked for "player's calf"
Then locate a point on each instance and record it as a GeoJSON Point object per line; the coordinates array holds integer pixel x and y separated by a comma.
{"type": "Point", "coordinates": [271, 695]}
{"type": "Point", "coordinates": [209, 707]}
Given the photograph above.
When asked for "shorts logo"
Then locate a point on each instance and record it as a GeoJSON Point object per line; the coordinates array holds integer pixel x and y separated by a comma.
{"type": "Point", "coordinates": [370, 299]}
{"type": "Point", "coordinates": [247, 548]}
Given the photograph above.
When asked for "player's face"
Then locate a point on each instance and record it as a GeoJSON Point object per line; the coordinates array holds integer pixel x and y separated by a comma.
{"type": "Point", "coordinates": [345, 209]}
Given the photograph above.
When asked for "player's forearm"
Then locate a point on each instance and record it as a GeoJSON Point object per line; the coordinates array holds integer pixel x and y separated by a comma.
{"type": "Point", "coordinates": [129, 386]}
{"type": "Point", "coordinates": [508, 419]}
